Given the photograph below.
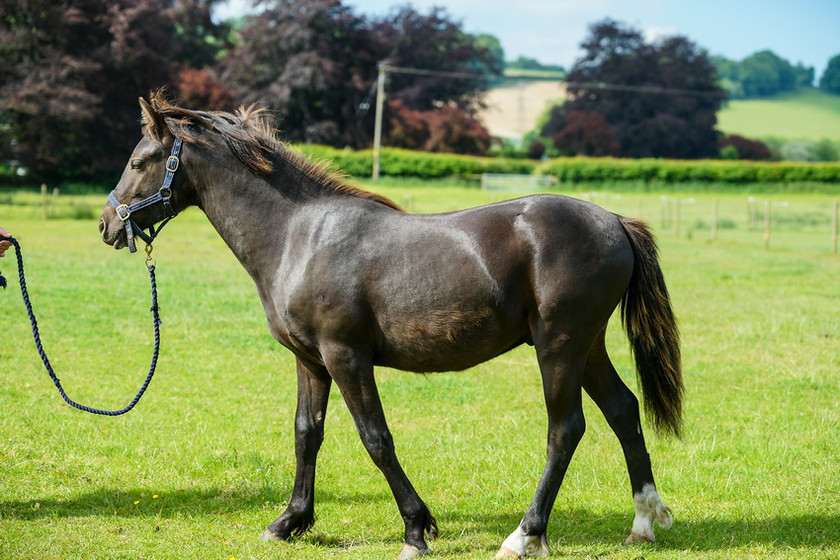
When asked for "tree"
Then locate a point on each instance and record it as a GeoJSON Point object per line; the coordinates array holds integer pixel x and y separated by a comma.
{"type": "Point", "coordinates": [660, 99]}
{"type": "Point", "coordinates": [70, 76]}
{"type": "Point", "coordinates": [198, 89]}
{"type": "Point", "coordinates": [830, 79]}
{"type": "Point", "coordinates": [761, 74]}
{"type": "Point", "coordinates": [744, 148]}
{"type": "Point", "coordinates": [448, 129]}
{"type": "Point", "coordinates": [314, 62]}
{"type": "Point", "coordinates": [586, 133]}
{"type": "Point", "coordinates": [437, 43]}
{"type": "Point", "coordinates": [765, 73]}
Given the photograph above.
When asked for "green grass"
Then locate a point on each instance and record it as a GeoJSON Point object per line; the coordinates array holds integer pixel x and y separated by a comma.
{"type": "Point", "coordinates": [206, 459]}
{"type": "Point", "coordinates": [804, 114]}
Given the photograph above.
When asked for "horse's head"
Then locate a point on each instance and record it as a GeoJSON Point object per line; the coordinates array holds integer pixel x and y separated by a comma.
{"type": "Point", "coordinates": [153, 186]}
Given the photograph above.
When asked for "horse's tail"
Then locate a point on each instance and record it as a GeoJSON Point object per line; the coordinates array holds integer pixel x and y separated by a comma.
{"type": "Point", "coordinates": [652, 329]}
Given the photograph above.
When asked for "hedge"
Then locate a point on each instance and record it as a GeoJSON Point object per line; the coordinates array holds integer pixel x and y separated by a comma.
{"type": "Point", "coordinates": [406, 163]}
{"type": "Point", "coordinates": [580, 169]}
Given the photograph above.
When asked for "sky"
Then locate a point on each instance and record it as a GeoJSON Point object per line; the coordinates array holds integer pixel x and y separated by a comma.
{"type": "Point", "coordinates": [807, 31]}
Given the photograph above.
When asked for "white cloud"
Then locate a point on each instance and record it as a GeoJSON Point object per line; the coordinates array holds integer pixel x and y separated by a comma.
{"type": "Point", "coordinates": [655, 33]}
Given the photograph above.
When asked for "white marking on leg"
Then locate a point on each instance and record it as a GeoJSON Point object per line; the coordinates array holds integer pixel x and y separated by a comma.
{"type": "Point", "coordinates": [520, 545]}
{"type": "Point", "coordinates": [649, 508]}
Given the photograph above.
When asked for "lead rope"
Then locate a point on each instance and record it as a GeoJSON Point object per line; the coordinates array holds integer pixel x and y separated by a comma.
{"type": "Point", "coordinates": [150, 264]}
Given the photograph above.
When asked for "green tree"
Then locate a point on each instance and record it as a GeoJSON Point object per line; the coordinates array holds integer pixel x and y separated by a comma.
{"type": "Point", "coordinates": [496, 59]}
{"type": "Point", "coordinates": [830, 79]}
{"type": "Point", "coordinates": [765, 73]}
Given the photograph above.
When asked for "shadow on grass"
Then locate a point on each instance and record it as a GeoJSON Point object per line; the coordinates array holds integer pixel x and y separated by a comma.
{"type": "Point", "coordinates": [568, 528]}
{"type": "Point", "coordinates": [148, 502]}
{"type": "Point", "coordinates": [580, 527]}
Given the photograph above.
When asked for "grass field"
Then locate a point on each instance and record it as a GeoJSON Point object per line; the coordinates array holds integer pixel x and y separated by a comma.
{"type": "Point", "coordinates": [206, 459]}
{"type": "Point", "coordinates": [805, 114]}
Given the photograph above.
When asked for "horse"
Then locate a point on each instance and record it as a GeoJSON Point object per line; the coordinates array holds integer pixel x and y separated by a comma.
{"type": "Point", "coordinates": [348, 281]}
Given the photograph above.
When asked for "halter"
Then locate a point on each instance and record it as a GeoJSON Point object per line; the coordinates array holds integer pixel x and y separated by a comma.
{"type": "Point", "coordinates": [163, 196]}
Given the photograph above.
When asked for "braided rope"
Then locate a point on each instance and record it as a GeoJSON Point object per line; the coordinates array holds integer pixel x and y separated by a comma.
{"type": "Point", "coordinates": [40, 347]}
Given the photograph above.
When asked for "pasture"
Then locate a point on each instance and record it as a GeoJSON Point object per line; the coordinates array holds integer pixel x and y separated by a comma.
{"type": "Point", "coordinates": [206, 459]}
{"type": "Point", "coordinates": [807, 113]}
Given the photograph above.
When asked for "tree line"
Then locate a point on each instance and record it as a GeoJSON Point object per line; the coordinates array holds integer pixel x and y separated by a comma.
{"type": "Point", "coordinates": [72, 70]}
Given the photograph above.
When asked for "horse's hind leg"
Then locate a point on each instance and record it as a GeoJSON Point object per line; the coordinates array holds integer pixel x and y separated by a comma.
{"type": "Point", "coordinates": [621, 409]}
{"type": "Point", "coordinates": [313, 394]}
{"type": "Point", "coordinates": [561, 375]}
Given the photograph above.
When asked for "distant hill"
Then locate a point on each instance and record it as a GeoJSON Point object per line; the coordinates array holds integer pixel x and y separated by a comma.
{"type": "Point", "coordinates": [808, 114]}
{"type": "Point", "coordinates": [514, 108]}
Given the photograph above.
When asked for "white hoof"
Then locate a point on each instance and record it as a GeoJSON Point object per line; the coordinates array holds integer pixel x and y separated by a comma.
{"type": "Point", "coordinates": [520, 545]}
{"type": "Point", "coordinates": [505, 552]}
{"type": "Point", "coordinates": [649, 508]}
{"type": "Point", "coordinates": [268, 536]}
{"type": "Point", "coordinates": [409, 552]}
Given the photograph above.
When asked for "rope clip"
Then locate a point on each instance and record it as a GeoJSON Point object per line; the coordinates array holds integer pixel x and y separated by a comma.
{"type": "Point", "coordinates": [150, 261]}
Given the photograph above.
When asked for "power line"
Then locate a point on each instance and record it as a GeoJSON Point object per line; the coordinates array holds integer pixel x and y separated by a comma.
{"type": "Point", "coordinates": [383, 68]}
{"type": "Point", "coordinates": [582, 85]}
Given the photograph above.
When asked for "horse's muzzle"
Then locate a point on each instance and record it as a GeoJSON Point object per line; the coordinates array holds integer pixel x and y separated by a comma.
{"type": "Point", "coordinates": [112, 234]}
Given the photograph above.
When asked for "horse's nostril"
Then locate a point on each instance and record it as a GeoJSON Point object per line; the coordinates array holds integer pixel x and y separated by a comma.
{"type": "Point", "coordinates": [103, 226]}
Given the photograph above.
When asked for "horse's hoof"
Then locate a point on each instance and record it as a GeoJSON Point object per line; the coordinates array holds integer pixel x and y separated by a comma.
{"type": "Point", "coordinates": [520, 545]}
{"type": "Point", "coordinates": [410, 552]}
{"type": "Point", "coordinates": [638, 537]}
{"type": "Point", "coordinates": [664, 517]}
{"type": "Point", "coordinates": [270, 536]}
{"type": "Point", "coordinates": [505, 552]}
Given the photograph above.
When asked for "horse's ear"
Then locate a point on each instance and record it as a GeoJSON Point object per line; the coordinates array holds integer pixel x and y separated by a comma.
{"type": "Point", "coordinates": [153, 123]}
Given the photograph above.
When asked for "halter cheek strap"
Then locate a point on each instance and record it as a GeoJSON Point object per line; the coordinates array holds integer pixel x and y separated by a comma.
{"type": "Point", "coordinates": [163, 196]}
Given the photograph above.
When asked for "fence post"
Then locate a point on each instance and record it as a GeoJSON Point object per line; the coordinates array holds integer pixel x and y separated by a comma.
{"type": "Point", "coordinates": [767, 224]}
{"type": "Point", "coordinates": [45, 202]}
{"type": "Point", "coordinates": [677, 205]}
{"type": "Point", "coordinates": [715, 215]}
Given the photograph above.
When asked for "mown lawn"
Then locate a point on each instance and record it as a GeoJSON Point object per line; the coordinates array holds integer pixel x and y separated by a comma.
{"type": "Point", "coordinates": [206, 459]}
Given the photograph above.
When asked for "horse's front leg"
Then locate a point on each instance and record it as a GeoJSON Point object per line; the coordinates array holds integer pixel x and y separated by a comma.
{"type": "Point", "coordinates": [353, 373]}
{"type": "Point", "coordinates": [313, 393]}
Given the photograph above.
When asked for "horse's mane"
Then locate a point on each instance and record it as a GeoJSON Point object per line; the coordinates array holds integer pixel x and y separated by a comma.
{"type": "Point", "coordinates": [251, 138]}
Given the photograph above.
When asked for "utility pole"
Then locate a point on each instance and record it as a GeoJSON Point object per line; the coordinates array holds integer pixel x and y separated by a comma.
{"type": "Point", "coordinates": [377, 127]}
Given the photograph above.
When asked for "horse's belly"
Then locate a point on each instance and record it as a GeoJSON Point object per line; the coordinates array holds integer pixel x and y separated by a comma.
{"type": "Point", "coordinates": [448, 340]}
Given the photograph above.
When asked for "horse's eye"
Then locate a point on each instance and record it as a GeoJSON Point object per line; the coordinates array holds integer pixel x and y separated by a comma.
{"type": "Point", "coordinates": [137, 164]}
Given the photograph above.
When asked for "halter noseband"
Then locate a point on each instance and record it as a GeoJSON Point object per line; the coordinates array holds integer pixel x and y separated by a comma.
{"type": "Point", "coordinates": [163, 196]}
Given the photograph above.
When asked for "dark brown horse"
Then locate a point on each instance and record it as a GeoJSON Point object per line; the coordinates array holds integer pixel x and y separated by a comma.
{"type": "Point", "coordinates": [349, 281]}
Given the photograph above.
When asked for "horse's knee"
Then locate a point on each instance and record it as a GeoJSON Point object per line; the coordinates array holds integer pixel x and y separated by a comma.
{"type": "Point", "coordinates": [308, 438]}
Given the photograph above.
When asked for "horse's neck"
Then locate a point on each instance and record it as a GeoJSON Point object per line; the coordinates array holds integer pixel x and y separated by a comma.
{"type": "Point", "coordinates": [250, 215]}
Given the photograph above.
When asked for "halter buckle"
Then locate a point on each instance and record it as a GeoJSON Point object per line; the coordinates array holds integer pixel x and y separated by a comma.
{"type": "Point", "coordinates": [123, 212]}
{"type": "Point", "coordinates": [172, 163]}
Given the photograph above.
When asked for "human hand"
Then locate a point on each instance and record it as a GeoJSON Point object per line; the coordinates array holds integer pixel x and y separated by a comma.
{"type": "Point", "coordinates": [3, 243]}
